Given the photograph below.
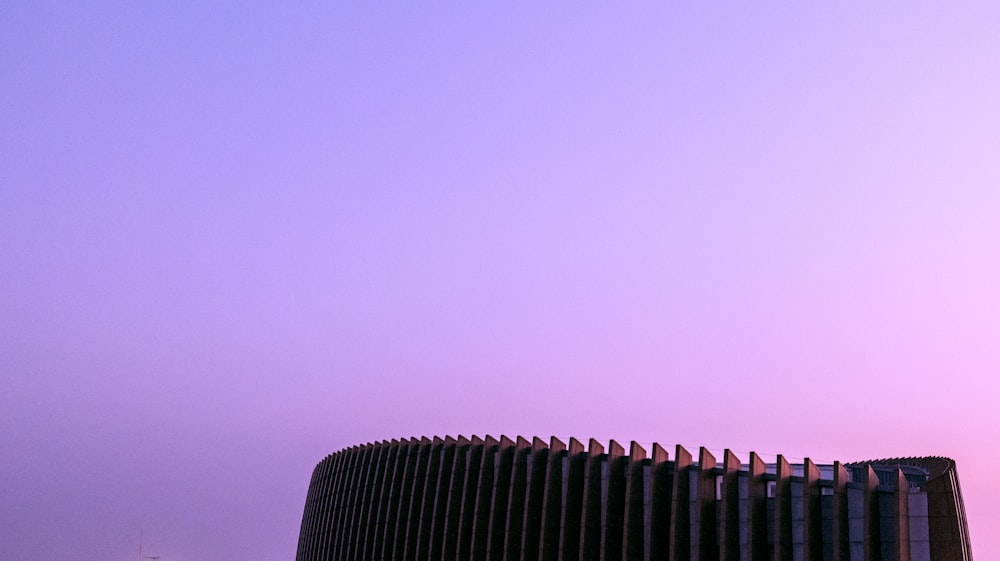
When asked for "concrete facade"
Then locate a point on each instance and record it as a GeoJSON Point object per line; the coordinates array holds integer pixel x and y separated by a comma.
{"type": "Point", "coordinates": [484, 499]}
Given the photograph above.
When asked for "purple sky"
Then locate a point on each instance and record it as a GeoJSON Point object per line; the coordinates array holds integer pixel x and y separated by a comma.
{"type": "Point", "coordinates": [236, 239]}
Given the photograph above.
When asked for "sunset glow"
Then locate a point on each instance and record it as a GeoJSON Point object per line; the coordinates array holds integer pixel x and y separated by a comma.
{"type": "Point", "coordinates": [238, 238]}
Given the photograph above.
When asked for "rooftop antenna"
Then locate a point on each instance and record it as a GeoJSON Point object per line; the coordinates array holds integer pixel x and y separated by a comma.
{"type": "Point", "coordinates": [141, 557]}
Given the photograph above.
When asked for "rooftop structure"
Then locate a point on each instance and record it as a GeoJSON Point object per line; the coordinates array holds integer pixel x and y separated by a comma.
{"type": "Point", "coordinates": [483, 499]}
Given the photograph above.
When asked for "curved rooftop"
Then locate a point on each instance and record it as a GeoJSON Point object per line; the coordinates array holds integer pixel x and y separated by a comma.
{"type": "Point", "coordinates": [478, 499]}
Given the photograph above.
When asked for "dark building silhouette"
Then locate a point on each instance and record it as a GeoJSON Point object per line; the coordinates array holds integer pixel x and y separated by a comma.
{"type": "Point", "coordinates": [458, 499]}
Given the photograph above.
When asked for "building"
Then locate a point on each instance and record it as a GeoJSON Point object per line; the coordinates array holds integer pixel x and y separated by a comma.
{"type": "Point", "coordinates": [459, 499]}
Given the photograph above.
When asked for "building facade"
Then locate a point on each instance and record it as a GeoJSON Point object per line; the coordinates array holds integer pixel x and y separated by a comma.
{"type": "Point", "coordinates": [483, 499]}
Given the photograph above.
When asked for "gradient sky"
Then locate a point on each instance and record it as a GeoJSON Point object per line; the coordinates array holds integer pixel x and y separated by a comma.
{"type": "Point", "coordinates": [236, 238]}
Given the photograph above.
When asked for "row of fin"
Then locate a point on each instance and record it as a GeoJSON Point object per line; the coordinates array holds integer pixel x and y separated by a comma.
{"type": "Point", "coordinates": [471, 499]}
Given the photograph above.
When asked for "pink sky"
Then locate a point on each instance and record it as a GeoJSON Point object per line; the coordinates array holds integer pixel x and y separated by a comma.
{"type": "Point", "coordinates": [236, 239]}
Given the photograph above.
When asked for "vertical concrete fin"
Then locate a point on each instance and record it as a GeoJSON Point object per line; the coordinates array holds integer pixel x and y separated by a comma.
{"type": "Point", "coordinates": [326, 505]}
{"type": "Point", "coordinates": [312, 535]}
{"type": "Point", "coordinates": [533, 521]}
{"type": "Point", "coordinates": [706, 460]}
{"type": "Point", "coordinates": [729, 509]}
{"type": "Point", "coordinates": [329, 517]}
{"type": "Point", "coordinates": [871, 504]}
{"type": "Point", "coordinates": [552, 506]}
{"type": "Point", "coordinates": [705, 541]}
{"type": "Point", "coordinates": [661, 473]}
{"type": "Point", "coordinates": [783, 510]}
{"type": "Point", "coordinates": [810, 470]}
{"type": "Point", "coordinates": [430, 499]}
{"type": "Point", "coordinates": [347, 494]}
{"type": "Point", "coordinates": [757, 507]}
{"type": "Point", "coordinates": [659, 454]}
{"type": "Point", "coordinates": [840, 476]}
{"type": "Point", "coordinates": [451, 533]}
{"type": "Point", "coordinates": [306, 523]}
{"type": "Point", "coordinates": [636, 452]}
{"type": "Point", "coordinates": [633, 532]}
{"type": "Point", "coordinates": [343, 497]}
{"type": "Point", "coordinates": [497, 524]}
{"type": "Point", "coordinates": [680, 506]}
{"type": "Point", "coordinates": [365, 518]}
{"type": "Point", "coordinates": [354, 486]}
{"type": "Point", "coordinates": [416, 499]}
{"type": "Point", "coordinates": [590, 536]}
{"type": "Point", "coordinates": [840, 527]}
{"type": "Point", "coordinates": [337, 502]}
{"type": "Point", "coordinates": [682, 457]}
{"type": "Point", "coordinates": [384, 500]}
{"type": "Point", "coordinates": [812, 513]}
{"type": "Point", "coordinates": [305, 548]}
{"type": "Point", "coordinates": [470, 490]}
{"type": "Point", "coordinates": [902, 516]}
{"type": "Point", "coordinates": [484, 493]}
{"type": "Point", "coordinates": [574, 470]}
{"type": "Point", "coordinates": [442, 498]}
{"type": "Point", "coordinates": [366, 531]}
{"type": "Point", "coordinates": [517, 499]}
{"type": "Point", "coordinates": [730, 461]}
{"type": "Point", "coordinates": [594, 448]}
{"type": "Point", "coordinates": [386, 547]}
{"type": "Point", "coordinates": [614, 481]}
{"type": "Point", "coordinates": [615, 449]}
{"type": "Point", "coordinates": [871, 478]}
